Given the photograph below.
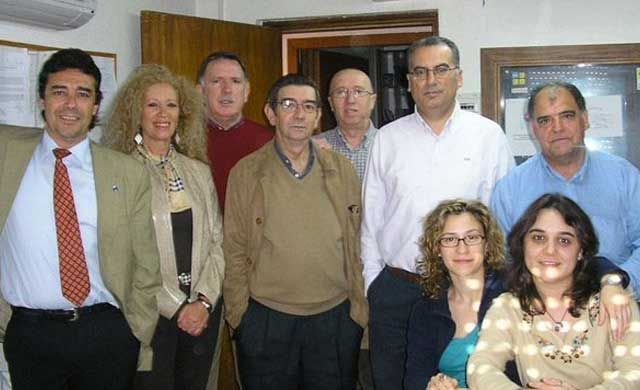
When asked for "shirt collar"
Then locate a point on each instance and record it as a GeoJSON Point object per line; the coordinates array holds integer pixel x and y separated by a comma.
{"type": "Point", "coordinates": [215, 125]}
{"type": "Point", "coordinates": [578, 176]}
{"type": "Point", "coordinates": [448, 126]}
{"type": "Point", "coordinates": [287, 163]}
{"type": "Point", "coordinates": [365, 139]}
{"type": "Point", "coordinates": [80, 153]}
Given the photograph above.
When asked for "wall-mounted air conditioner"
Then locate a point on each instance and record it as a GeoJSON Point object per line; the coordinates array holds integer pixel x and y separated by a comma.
{"type": "Point", "coordinates": [56, 14]}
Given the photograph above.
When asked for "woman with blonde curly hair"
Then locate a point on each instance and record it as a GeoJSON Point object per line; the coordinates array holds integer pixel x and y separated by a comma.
{"type": "Point", "coordinates": [158, 118]}
{"type": "Point", "coordinates": [462, 255]}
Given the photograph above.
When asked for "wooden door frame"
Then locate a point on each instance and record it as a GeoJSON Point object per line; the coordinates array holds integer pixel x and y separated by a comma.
{"type": "Point", "coordinates": [347, 31]}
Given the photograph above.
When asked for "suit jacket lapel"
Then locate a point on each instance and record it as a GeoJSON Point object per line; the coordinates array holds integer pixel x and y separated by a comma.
{"type": "Point", "coordinates": [17, 155]}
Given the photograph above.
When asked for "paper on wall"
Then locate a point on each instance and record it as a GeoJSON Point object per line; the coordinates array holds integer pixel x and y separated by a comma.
{"type": "Point", "coordinates": [15, 107]}
{"type": "Point", "coordinates": [520, 139]}
{"type": "Point", "coordinates": [605, 116]}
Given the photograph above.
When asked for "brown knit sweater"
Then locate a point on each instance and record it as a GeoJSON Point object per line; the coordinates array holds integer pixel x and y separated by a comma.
{"type": "Point", "coordinates": [300, 268]}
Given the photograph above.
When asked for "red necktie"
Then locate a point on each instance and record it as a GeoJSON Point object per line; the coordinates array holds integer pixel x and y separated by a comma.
{"type": "Point", "coordinates": [74, 277]}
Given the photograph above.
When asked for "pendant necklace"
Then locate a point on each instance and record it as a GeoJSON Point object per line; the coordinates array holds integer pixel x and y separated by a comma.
{"type": "Point", "coordinates": [557, 325]}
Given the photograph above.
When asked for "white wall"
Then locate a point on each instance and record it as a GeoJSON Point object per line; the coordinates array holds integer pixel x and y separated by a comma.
{"type": "Point", "coordinates": [115, 29]}
{"type": "Point", "coordinates": [472, 26]}
{"type": "Point", "coordinates": [116, 26]}
{"type": "Point", "coordinates": [211, 9]}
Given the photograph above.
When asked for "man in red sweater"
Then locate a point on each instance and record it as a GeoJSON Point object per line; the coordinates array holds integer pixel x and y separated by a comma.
{"type": "Point", "coordinates": [224, 83]}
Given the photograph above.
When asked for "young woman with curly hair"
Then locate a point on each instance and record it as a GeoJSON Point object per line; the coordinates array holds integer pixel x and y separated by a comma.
{"type": "Point", "coordinates": [462, 256]}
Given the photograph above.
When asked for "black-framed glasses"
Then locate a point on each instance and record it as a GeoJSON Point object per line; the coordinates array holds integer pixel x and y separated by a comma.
{"type": "Point", "coordinates": [290, 105]}
{"type": "Point", "coordinates": [453, 241]}
{"type": "Point", "coordinates": [440, 71]}
{"type": "Point", "coordinates": [342, 93]}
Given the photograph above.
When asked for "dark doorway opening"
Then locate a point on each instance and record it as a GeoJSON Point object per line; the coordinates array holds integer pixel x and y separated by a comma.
{"type": "Point", "coordinates": [385, 65]}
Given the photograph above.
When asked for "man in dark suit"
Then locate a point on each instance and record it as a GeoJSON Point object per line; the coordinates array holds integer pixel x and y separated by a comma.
{"type": "Point", "coordinates": [78, 261]}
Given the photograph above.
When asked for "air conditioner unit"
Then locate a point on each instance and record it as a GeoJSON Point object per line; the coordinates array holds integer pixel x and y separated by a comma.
{"type": "Point", "coordinates": [55, 14]}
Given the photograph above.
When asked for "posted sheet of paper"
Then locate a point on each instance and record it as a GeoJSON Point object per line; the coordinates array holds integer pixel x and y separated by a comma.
{"type": "Point", "coordinates": [37, 58]}
{"type": "Point", "coordinates": [605, 116]}
{"type": "Point", "coordinates": [520, 139]}
{"type": "Point", "coordinates": [109, 88]}
{"type": "Point", "coordinates": [15, 103]}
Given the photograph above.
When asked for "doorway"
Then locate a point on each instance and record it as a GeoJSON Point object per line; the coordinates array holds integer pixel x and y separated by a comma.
{"type": "Point", "coordinates": [386, 67]}
{"type": "Point", "coordinates": [375, 44]}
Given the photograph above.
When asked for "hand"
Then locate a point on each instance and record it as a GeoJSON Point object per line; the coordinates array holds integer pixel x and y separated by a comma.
{"type": "Point", "coordinates": [193, 318]}
{"type": "Point", "coordinates": [550, 384]}
{"type": "Point", "coordinates": [442, 382]}
{"type": "Point", "coordinates": [615, 305]}
{"type": "Point", "coordinates": [322, 143]}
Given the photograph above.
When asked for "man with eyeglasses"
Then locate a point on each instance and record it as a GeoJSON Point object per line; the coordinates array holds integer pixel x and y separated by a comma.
{"type": "Point", "coordinates": [439, 152]}
{"type": "Point", "coordinates": [352, 100]}
{"type": "Point", "coordinates": [293, 285]}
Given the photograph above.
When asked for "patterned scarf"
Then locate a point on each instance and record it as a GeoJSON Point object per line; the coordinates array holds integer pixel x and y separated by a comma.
{"type": "Point", "coordinates": [173, 185]}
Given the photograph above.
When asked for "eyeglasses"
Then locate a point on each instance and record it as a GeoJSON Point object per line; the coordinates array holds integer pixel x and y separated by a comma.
{"type": "Point", "coordinates": [453, 241]}
{"type": "Point", "coordinates": [440, 71]}
{"type": "Point", "coordinates": [290, 105]}
{"type": "Point", "coordinates": [342, 93]}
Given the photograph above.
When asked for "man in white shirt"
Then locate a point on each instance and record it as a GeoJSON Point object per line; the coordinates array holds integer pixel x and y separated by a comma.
{"type": "Point", "coordinates": [79, 265]}
{"type": "Point", "coordinates": [439, 152]}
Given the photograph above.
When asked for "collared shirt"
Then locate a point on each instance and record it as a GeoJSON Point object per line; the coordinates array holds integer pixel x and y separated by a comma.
{"type": "Point", "coordinates": [289, 165]}
{"type": "Point", "coordinates": [607, 187]}
{"type": "Point", "coordinates": [216, 125]}
{"type": "Point", "coordinates": [30, 268]}
{"type": "Point", "coordinates": [358, 155]}
{"type": "Point", "coordinates": [411, 169]}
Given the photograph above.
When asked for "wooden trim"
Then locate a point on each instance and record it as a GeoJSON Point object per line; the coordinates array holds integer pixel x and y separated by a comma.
{"type": "Point", "coordinates": [32, 47]}
{"type": "Point", "coordinates": [364, 21]}
{"type": "Point", "coordinates": [494, 59]}
{"type": "Point", "coordinates": [293, 45]}
{"type": "Point", "coordinates": [46, 48]}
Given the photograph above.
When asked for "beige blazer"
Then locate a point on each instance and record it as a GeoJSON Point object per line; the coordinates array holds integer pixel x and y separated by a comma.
{"type": "Point", "coordinates": [207, 261]}
{"type": "Point", "coordinates": [126, 240]}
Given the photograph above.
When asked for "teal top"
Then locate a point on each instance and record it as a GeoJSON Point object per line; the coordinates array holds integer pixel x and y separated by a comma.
{"type": "Point", "coordinates": [453, 361]}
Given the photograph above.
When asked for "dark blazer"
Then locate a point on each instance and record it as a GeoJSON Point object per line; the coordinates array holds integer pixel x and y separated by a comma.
{"type": "Point", "coordinates": [126, 241]}
{"type": "Point", "coordinates": [430, 330]}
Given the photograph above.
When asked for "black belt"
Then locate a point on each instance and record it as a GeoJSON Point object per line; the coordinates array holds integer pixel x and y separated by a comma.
{"type": "Point", "coordinates": [404, 275]}
{"type": "Point", "coordinates": [63, 315]}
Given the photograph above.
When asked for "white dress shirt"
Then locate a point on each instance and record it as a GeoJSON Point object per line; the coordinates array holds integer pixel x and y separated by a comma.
{"type": "Point", "coordinates": [30, 268]}
{"type": "Point", "coordinates": [411, 169]}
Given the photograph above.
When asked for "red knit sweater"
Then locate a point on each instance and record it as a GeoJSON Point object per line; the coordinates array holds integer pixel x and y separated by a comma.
{"type": "Point", "coordinates": [227, 147]}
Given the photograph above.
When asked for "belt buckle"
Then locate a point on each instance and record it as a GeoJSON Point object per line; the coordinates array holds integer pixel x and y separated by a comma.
{"type": "Point", "coordinates": [75, 316]}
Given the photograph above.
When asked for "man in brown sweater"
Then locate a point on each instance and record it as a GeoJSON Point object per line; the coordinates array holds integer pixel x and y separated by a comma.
{"type": "Point", "coordinates": [293, 286]}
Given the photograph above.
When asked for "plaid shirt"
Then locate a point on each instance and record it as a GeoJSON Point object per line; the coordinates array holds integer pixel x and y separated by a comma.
{"type": "Point", "coordinates": [357, 155]}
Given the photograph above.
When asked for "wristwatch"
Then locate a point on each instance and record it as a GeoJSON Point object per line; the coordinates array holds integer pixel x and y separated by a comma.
{"type": "Point", "coordinates": [611, 280]}
{"type": "Point", "coordinates": [206, 304]}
